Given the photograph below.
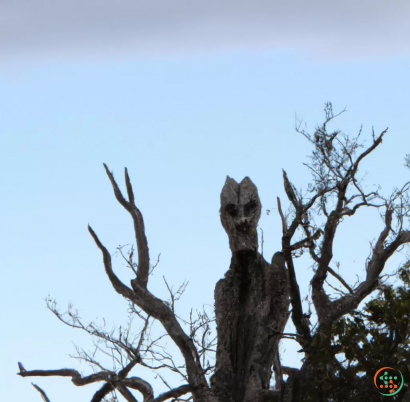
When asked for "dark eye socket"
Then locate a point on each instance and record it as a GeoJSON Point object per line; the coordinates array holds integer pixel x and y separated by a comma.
{"type": "Point", "coordinates": [231, 209]}
{"type": "Point", "coordinates": [249, 207]}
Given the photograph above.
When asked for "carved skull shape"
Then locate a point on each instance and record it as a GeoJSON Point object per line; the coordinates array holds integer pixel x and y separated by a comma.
{"type": "Point", "coordinates": [240, 213]}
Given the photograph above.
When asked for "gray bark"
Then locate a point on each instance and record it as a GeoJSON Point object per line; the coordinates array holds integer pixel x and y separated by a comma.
{"type": "Point", "coordinates": [251, 302]}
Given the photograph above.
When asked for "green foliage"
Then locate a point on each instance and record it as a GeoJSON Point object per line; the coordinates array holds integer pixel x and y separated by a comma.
{"type": "Point", "coordinates": [376, 336]}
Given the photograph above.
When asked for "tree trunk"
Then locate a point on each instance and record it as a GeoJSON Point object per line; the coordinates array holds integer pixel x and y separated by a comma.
{"type": "Point", "coordinates": [251, 303]}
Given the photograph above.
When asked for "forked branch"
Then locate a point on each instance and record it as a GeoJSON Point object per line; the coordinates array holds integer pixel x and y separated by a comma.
{"type": "Point", "coordinates": [141, 239]}
{"type": "Point", "coordinates": [160, 311]}
{"type": "Point", "coordinates": [141, 297]}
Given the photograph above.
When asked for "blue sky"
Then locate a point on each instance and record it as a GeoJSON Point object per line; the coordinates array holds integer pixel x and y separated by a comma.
{"type": "Point", "coordinates": [180, 112]}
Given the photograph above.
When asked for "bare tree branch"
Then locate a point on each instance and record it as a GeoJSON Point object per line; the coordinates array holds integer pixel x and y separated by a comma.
{"type": "Point", "coordinates": [76, 377]}
{"type": "Point", "coordinates": [102, 392]}
{"type": "Point", "coordinates": [42, 393]}
{"type": "Point", "coordinates": [282, 217]}
{"type": "Point", "coordinates": [340, 279]}
{"type": "Point", "coordinates": [375, 144]}
{"type": "Point", "coordinates": [140, 385]}
{"type": "Point", "coordinates": [157, 309]}
{"type": "Point", "coordinates": [377, 262]}
{"type": "Point", "coordinates": [173, 393]}
{"type": "Point", "coordinates": [142, 243]}
{"type": "Point", "coordinates": [126, 393]}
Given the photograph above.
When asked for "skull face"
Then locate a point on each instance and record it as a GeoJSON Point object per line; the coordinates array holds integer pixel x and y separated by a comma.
{"type": "Point", "coordinates": [240, 213]}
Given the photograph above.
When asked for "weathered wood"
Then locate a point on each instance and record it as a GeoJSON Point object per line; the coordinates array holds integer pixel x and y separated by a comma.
{"type": "Point", "coordinates": [251, 302]}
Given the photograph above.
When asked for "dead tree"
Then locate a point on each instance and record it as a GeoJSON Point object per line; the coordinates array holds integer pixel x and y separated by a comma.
{"type": "Point", "coordinates": [252, 301]}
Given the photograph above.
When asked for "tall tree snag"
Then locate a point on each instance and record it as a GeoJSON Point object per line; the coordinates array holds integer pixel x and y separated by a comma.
{"type": "Point", "coordinates": [251, 302]}
{"type": "Point", "coordinates": [253, 298]}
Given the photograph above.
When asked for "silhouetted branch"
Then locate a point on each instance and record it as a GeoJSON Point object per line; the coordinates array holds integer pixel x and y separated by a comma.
{"type": "Point", "coordinates": [42, 393]}
{"type": "Point", "coordinates": [142, 243]}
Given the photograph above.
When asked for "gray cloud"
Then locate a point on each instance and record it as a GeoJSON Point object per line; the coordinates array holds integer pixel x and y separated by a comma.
{"type": "Point", "coordinates": [338, 29]}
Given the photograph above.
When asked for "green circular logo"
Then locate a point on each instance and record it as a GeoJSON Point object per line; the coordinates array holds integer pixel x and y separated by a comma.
{"type": "Point", "coordinates": [388, 381]}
